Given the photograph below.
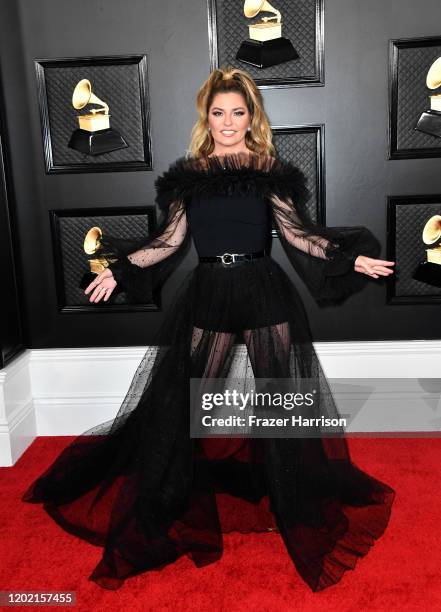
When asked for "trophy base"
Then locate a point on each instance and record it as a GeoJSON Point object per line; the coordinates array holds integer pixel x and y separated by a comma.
{"type": "Point", "coordinates": [97, 143]}
{"type": "Point", "coordinates": [88, 277]}
{"type": "Point", "coordinates": [267, 53]}
{"type": "Point", "coordinates": [428, 273]}
{"type": "Point", "coordinates": [430, 123]}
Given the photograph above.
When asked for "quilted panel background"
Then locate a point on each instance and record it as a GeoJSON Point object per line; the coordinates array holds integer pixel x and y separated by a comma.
{"type": "Point", "coordinates": [74, 261]}
{"type": "Point", "coordinates": [301, 149]}
{"type": "Point", "coordinates": [298, 25]}
{"type": "Point", "coordinates": [410, 248]}
{"type": "Point", "coordinates": [118, 86]}
{"type": "Point", "coordinates": [413, 96]}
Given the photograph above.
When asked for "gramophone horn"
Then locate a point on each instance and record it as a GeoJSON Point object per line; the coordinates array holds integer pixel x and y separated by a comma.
{"type": "Point", "coordinates": [432, 230]}
{"type": "Point", "coordinates": [92, 240]}
{"type": "Point", "coordinates": [83, 95]}
{"type": "Point", "coordinates": [433, 80]}
{"type": "Point", "coordinates": [252, 7]}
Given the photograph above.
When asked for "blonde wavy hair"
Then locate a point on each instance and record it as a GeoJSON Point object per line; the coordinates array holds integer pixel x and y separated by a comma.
{"type": "Point", "coordinates": [226, 79]}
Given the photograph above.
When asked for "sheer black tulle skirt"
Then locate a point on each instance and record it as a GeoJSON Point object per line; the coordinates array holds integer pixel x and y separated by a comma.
{"type": "Point", "coordinates": [144, 490]}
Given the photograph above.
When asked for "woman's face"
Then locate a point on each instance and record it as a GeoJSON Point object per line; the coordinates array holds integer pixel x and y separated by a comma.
{"type": "Point", "coordinates": [229, 118]}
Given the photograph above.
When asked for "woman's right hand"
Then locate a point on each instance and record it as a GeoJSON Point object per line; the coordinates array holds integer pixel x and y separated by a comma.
{"type": "Point", "coordinates": [103, 285]}
{"type": "Point", "coordinates": [373, 267]}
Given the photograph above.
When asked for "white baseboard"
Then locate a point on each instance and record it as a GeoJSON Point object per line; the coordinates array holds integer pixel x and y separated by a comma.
{"type": "Point", "coordinates": [64, 392]}
{"type": "Point", "coordinates": [17, 415]}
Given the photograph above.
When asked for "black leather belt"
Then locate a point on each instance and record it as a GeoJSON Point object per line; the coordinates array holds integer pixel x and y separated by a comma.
{"type": "Point", "coordinates": [230, 258]}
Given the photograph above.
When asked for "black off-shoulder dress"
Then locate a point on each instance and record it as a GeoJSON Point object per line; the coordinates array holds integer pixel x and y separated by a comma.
{"type": "Point", "coordinates": [145, 490]}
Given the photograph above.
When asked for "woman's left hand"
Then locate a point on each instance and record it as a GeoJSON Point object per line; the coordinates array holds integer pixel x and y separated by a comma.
{"type": "Point", "coordinates": [373, 267]}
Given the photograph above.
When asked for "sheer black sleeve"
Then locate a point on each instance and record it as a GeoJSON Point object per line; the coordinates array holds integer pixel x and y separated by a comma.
{"type": "Point", "coordinates": [137, 264]}
{"type": "Point", "coordinates": [324, 257]}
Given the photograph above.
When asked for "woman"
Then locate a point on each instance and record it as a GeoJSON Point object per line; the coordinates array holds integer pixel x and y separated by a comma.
{"type": "Point", "coordinates": [140, 486]}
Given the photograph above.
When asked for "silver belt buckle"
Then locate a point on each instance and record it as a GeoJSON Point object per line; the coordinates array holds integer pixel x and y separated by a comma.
{"type": "Point", "coordinates": [227, 258]}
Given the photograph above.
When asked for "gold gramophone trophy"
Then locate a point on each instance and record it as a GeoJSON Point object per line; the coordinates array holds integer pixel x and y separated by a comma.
{"type": "Point", "coordinates": [429, 271]}
{"type": "Point", "coordinates": [93, 242]}
{"type": "Point", "coordinates": [265, 46]}
{"type": "Point", "coordinates": [94, 136]}
{"type": "Point", "coordinates": [430, 120]}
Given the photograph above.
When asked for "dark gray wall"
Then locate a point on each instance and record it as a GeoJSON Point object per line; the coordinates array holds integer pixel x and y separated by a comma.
{"type": "Point", "coordinates": [12, 337]}
{"type": "Point", "coordinates": [174, 35]}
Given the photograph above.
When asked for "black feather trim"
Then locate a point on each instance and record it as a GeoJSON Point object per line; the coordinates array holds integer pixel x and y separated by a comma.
{"type": "Point", "coordinates": [234, 173]}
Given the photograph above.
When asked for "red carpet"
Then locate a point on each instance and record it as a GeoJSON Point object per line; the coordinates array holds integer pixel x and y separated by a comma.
{"type": "Point", "coordinates": [401, 572]}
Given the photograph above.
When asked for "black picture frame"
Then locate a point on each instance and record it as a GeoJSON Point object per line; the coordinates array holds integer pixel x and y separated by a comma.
{"type": "Point", "coordinates": [304, 146]}
{"type": "Point", "coordinates": [409, 61]}
{"type": "Point", "coordinates": [68, 230]}
{"type": "Point", "coordinates": [119, 80]}
{"type": "Point", "coordinates": [305, 27]}
{"type": "Point", "coordinates": [406, 216]}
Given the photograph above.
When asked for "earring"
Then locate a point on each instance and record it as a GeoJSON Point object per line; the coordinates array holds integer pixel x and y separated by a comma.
{"type": "Point", "coordinates": [209, 128]}
{"type": "Point", "coordinates": [248, 129]}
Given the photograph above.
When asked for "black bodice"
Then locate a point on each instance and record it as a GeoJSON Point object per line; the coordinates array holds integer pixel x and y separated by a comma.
{"type": "Point", "coordinates": [228, 223]}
